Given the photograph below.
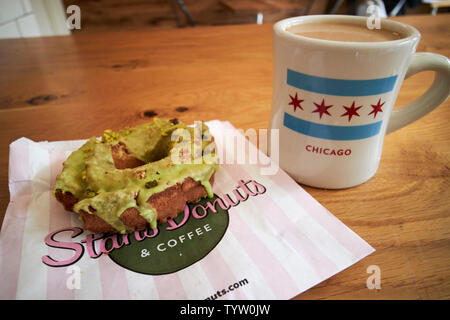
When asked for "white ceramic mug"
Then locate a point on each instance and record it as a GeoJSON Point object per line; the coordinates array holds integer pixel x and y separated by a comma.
{"type": "Point", "coordinates": [332, 101]}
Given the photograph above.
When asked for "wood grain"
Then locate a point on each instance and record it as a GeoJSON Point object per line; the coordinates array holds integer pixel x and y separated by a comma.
{"type": "Point", "coordinates": [73, 87]}
{"type": "Point", "coordinates": [112, 15]}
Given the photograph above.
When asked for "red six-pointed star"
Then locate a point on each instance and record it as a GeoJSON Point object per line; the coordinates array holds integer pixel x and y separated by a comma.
{"type": "Point", "coordinates": [351, 111]}
{"type": "Point", "coordinates": [295, 101]}
{"type": "Point", "coordinates": [322, 108]}
{"type": "Point", "coordinates": [376, 108]}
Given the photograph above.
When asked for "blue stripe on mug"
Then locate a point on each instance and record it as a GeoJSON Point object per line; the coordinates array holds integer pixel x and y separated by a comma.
{"type": "Point", "coordinates": [339, 87]}
{"type": "Point", "coordinates": [330, 132]}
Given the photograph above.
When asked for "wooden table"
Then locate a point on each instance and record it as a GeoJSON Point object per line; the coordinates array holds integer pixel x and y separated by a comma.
{"type": "Point", "coordinates": [75, 86]}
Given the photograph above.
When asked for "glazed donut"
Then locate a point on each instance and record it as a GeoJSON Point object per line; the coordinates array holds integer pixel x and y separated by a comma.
{"type": "Point", "coordinates": [129, 180]}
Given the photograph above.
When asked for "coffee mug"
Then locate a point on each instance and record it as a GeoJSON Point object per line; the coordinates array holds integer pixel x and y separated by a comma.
{"type": "Point", "coordinates": [332, 100]}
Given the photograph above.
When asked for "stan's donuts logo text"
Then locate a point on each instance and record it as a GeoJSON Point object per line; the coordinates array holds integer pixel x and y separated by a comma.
{"type": "Point", "coordinates": [169, 247]}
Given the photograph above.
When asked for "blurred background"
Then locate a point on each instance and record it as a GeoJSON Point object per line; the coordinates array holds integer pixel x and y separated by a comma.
{"type": "Point", "coordinates": [35, 18]}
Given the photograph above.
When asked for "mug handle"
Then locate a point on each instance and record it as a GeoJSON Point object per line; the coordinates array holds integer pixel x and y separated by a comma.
{"type": "Point", "coordinates": [432, 98]}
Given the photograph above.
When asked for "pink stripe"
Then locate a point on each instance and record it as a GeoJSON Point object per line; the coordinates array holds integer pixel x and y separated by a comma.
{"type": "Point", "coordinates": [169, 287]}
{"type": "Point", "coordinates": [58, 219]}
{"type": "Point", "coordinates": [276, 276]}
{"type": "Point", "coordinates": [344, 235]}
{"type": "Point", "coordinates": [12, 232]}
{"type": "Point", "coordinates": [305, 248]}
{"type": "Point", "coordinates": [214, 265]}
{"type": "Point", "coordinates": [113, 280]}
{"type": "Point", "coordinates": [112, 277]}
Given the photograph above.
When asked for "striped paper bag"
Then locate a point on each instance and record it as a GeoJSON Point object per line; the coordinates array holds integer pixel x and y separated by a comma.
{"type": "Point", "coordinates": [261, 237]}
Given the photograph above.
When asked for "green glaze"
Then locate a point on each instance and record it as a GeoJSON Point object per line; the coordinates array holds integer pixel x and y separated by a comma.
{"type": "Point", "coordinates": [101, 189]}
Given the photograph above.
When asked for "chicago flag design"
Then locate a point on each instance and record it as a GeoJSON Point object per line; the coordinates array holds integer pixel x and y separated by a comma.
{"type": "Point", "coordinates": [336, 109]}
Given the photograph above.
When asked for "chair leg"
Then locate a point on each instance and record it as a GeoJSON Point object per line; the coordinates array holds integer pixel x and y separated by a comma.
{"type": "Point", "coordinates": [397, 8]}
{"type": "Point", "coordinates": [186, 12]}
{"type": "Point", "coordinates": [336, 6]}
{"type": "Point", "coordinates": [175, 14]}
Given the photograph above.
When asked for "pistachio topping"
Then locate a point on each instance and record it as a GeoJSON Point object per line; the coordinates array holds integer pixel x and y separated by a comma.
{"type": "Point", "coordinates": [151, 184]}
{"type": "Point", "coordinates": [91, 176]}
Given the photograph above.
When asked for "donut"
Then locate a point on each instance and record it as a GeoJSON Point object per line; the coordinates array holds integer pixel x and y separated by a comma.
{"type": "Point", "coordinates": [137, 177]}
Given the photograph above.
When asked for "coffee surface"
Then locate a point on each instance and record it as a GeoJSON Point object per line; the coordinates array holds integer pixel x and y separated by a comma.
{"type": "Point", "coordinates": [343, 31]}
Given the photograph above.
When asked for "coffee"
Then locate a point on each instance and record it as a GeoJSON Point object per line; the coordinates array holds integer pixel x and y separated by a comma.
{"type": "Point", "coordinates": [343, 31]}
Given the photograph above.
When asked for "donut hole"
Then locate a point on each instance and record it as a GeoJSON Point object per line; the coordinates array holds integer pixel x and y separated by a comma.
{"type": "Point", "coordinates": [124, 160]}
